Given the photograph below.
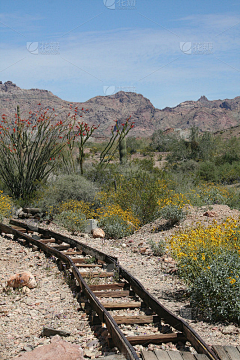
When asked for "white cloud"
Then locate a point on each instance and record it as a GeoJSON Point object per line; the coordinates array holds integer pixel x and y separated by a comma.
{"type": "Point", "coordinates": [124, 56]}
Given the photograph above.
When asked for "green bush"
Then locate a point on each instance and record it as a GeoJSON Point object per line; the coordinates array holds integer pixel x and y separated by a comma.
{"type": "Point", "coordinates": [173, 213]}
{"type": "Point", "coordinates": [115, 227]}
{"type": "Point", "coordinates": [229, 173]}
{"type": "Point", "coordinates": [163, 142]}
{"type": "Point", "coordinates": [64, 188]}
{"type": "Point", "coordinates": [134, 145]}
{"type": "Point", "coordinates": [139, 191]}
{"type": "Point", "coordinates": [217, 288]}
{"type": "Point", "coordinates": [72, 221]}
{"type": "Point", "coordinates": [158, 248]}
{"type": "Point", "coordinates": [207, 171]}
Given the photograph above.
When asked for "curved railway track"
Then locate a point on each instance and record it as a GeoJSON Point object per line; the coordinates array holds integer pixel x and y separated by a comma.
{"type": "Point", "coordinates": [113, 288]}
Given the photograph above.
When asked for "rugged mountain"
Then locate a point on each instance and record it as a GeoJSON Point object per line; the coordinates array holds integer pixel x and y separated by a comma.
{"type": "Point", "coordinates": [208, 115]}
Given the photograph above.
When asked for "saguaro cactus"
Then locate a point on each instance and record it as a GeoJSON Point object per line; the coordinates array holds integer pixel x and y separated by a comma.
{"type": "Point", "coordinates": [123, 150]}
{"type": "Point", "coordinates": [18, 112]}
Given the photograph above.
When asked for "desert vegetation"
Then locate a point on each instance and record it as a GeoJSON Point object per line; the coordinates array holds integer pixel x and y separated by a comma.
{"type": "Point", "coordinates": [44, 164]}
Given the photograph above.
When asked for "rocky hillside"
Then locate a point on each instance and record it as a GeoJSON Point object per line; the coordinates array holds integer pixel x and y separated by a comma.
{"type": "Point", "coordinates": [208, 115]}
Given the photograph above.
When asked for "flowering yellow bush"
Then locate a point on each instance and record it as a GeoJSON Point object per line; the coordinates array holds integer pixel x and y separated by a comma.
{"type": "Point", "coordinates": [75, 205]}
{"type": "Point", "coordinates": [109, 208]}
{"type": "Point", "coordinates": [175, 199]}
{"type": "Point", "coordinates": [115, 209]}
{"type": "Point", "coordinates": [209, 261]}
{"type": "Point", "coordinates": [106, 210]}
{"type": "Point", "coordinates": [5, 205]}
{"type": "Point", "coordinates": [196, 248]}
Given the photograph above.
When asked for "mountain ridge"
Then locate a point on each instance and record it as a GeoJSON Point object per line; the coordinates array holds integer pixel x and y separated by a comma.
{"type": "Point", "coordinates": [207, 115]}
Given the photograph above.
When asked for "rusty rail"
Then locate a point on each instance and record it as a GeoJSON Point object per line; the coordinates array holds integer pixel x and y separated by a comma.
{"type": "Point", "coordinates": [117, 336]}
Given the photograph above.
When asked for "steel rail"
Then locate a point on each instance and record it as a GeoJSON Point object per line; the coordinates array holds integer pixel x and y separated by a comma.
{"type": "Point", "coordinates": [118, 338]}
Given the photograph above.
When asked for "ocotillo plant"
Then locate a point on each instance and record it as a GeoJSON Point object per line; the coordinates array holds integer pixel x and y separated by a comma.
{"type": "Point", "coordinates": [119, 132]}
{"type": "Point", "coordinates": [81, 133]}
{"type": "Point", "coordinates": [28, 148]}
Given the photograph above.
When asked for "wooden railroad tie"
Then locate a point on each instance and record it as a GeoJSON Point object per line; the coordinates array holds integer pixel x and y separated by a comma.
{"type": "Point", "coordinates": [72, 252]}
{"type": "Point", "coordinates": [114, 286]}
{"type": "Point", "coordinates": [46, 241]}
{"type": "Point", "coordinates": [86, 265]}
{"type": "Point", "coordinates": [21, 229]}
{"type": "Point", "coordinates": [61, 247]}
{"type": "Point", "coordinates": [227, 352]}
{"type": "Point", "coordinates": [154, 339]}
{"type": "Point", "coordinates": [83, 261]}
{"type": "Point", "coordinates": [171, 355]}
{"type": "Point", "coordinates": [96, 274]}
{"type": "Point", "coordinates": [122, 305]}
{"type": "Point", "coordinates": [113, 294]}
{"type": "Point", "coordinates": [138, 319]}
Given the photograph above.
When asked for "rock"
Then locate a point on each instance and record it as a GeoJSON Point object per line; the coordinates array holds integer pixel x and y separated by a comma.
{"type": "Point", "coordinates": [25, 290]}
{"type": "Point", "coordinates": [21, 280]}
{"type": "Point", "coordinates": [32, 211]}
{"type": "Point", "coordinates": [230, 329]}
{"type": "Point", "coordinates": [19, 211]}
{"type": "Point", "coordinates": [98, 233]}
{"type": "Point", "coordinates": [27, 348]}
{"type": "Point", "coordinates": [21, 214]}
{"type": "Point", "coordinates": [142, 250]}
{"type": "Point", "coordinates": [90, 354]}
{"type": "Point", "coordinates": [58, 349]}
{"type": "Point", "coordinates": [46, 331]}
{"type": "Point", "coordinates": [168, 259]}
{"type": "Point", "coordinates": [124, 245]}
{"type": "Point", "coordinates": [210, 213]}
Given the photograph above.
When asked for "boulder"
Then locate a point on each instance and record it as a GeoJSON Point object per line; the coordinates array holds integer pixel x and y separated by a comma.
{"type": "Point", "coordinates": [58, 349]}
{"type": "Point", "coordinates": [21, 280]}
{"type": "Point", "coordinates": [209, 213]}
{"type": "Point", "coordinates": [142, 250]}
{"type": "Point", "coordinates": [98, 233]}
{"type": "Point", "coordinates": [47, 331]}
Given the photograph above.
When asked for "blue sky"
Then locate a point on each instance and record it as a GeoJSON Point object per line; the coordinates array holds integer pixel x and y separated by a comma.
{"type": "Point", "coordinates": [168, 51]}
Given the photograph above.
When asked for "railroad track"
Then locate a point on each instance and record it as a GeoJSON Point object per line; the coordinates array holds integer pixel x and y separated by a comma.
{"type": "Point", "coordinates": [104, 287]}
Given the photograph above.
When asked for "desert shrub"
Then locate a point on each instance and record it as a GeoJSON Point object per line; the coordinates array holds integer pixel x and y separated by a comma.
{"type": "Point", "coordinates": [139, 192]}
{"type": "Point", "coordinates": [6, 206]}
{"type": "Point", "coordinates": [115, 226]}
{"type": "Point", "coordinates": [189, 166]}
{"type": "Point", "coordinates": [229, 173]}
{"type": "Point", "coordinates": [158, 248]}
{"type": "Point", "coordinates": [207, 172]}
{"type": "Point", "coordinates": [199, 146]}
{"type": "Point", "coordinates": [217, 288]}
{"type": "Point", "coordinates": [134, 145]}
{"type": "Point", "coordinates": [209, 194]}
{"type": "Point", "coordinates": [73, 221]}
{"type": "Point", "coordinates": [108, 210]}
{"type": "Point", "coordinates": [64, 188]}
{"type": "Point", "coordinates": [145, 164]}
{"type": "Point", "coordinates": [162, 142]}
{"type": "Point", "coordinates": [229, 151]}
{"type": "Point", "coordinates": [197, 248]}
{"type": "Point", "coordinates": [208, 260]}
{"type": "Point", "coordinates": [75, 205]}
{"type": "Point", "coordinates": [172, 213]}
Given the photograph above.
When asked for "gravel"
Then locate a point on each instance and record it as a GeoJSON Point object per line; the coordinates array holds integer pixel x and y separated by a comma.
{"type": "Point", "coordinates": [24, 313]}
